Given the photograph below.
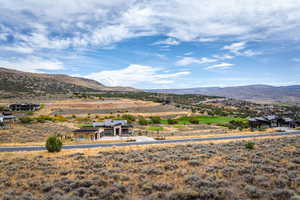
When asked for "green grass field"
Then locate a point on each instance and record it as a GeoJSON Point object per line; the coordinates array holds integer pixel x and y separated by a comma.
{"type": "Point", "coordinates": [155, 128]}
{"type": "Point", "coordinates": [205, 119]}
{"type": "Point", "coordinates": [178, 126]}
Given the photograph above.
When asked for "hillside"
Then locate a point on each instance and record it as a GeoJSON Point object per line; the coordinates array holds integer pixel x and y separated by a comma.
{"type": "Point", "coordinates": [256, 93]}
{"type": "Point", "coordinates": [15, 82]}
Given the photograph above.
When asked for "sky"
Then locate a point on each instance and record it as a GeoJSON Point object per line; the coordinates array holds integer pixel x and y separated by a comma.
{"type": "Point", "coordinates": [153, 43]}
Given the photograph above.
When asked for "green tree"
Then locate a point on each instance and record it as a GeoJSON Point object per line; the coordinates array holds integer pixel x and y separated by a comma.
{"type": "Point", "coordinates": [155, 120]}
{"type": "Point", "coordinates": [143, 122]}
{"type": "Point", "coordinates": [53, 144]}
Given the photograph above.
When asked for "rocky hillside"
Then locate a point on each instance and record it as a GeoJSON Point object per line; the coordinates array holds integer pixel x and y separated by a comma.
{"type": "Point", "coordinates": [15, 82]}
{"type": "Point", "coordinates": [256, 93]}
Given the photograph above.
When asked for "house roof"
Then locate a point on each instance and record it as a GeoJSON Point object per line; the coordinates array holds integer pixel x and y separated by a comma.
{"type": "Point", "coordinates": [9, 117]}
{"type": "Point", "coordinates": [86, 129]}
{"type": "Point", "coordinates": [271, 117]}
{"type": "Point", "coordinates": [286, 119]}
{"type": "Point", "coordinates": [110, 123]}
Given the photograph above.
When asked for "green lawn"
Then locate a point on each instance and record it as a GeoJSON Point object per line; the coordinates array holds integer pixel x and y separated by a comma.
{"type": "Point", "coordinates": [208, 119]}
{"type": "Point", "coordinates": [155, 128]}
{"type": "Point", "coordinates": [178, 126]}
{"type": "Point", "coordinates": [205, 119]}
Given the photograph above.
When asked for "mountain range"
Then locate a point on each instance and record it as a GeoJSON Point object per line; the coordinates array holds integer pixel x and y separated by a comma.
{"type": "Point", "coordinates": [255, 93]}
{"type": "Point", "coordinates": [16, 82]}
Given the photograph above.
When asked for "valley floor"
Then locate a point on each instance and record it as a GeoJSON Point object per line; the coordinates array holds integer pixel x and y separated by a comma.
{"type": "Point", "coordinates": [188, 171]}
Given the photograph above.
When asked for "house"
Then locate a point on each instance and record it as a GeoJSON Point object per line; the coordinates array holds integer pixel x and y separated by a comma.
{"type": "Point", "coordinates": [6, 119]}
{"type": "Point", "coordinates": [258, 122]}
{"type": "Point", "coordinates": [24, 107]}
{"type": "Point", "coordinates": [106, 128]}
{"type": "Point", "coordinates": [286, 122]}
{"type": "Point", "coordinates": [271, 121]}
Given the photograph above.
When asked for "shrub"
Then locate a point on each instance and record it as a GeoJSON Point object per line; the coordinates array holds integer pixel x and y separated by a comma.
{"type": "Point", "coordinates": [194, 121]}
{"type": "Point", "coordinates": [143, 122]}
{"type": "Point", "coordinates": [172, 121]}
{"type": "Point", "coordinates": [43, 118]}
{"type": "Point", "coordinates": [53, 144]}
{"type": "Point", "coordinates": [60, 118]}
{"type": "Point", "coordinates": [155, 120]}
{"type": "Point", "coordinates": [130, 140]}
{"type": "Point", "coordinates": [25, 120]}
{"type": "Point", "coordinates": [40, 120]}
{"type": "Point", "coordinates": [129, 118]}
{"type": "Point", "coordinates": [160, 138]}
{"type": "Point", "coordinates": [249, 145]}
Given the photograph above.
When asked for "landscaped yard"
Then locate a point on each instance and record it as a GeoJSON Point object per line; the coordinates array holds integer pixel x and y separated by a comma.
{"type": "Point", "coordinates": [205, 119]}
{"type": "Point", "coordinates": [155, 128]}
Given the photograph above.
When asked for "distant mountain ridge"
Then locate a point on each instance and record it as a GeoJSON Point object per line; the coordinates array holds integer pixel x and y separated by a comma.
{"type": "Point", "coordinates": [13, 81]}
{"type": "Point", "coordinates": [256, 93]}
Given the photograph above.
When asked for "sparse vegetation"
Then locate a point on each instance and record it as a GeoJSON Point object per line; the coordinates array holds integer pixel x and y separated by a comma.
{"type": "Point", "coordinates": [26, 120]}
{"type": "Point", "coordinates": [249, 145]}
{"type": "Point", "coordinates": [186, 171]}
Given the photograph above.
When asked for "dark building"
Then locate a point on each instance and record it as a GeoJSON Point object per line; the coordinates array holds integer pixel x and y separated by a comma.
{"type": "Point", "coordinates": [271, 121]}
{"type": "Point", "coordinates": [24, 107]}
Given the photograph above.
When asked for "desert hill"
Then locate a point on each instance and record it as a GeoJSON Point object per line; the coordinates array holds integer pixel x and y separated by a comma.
{"type": "Point", "coordinates": [13, 81]}
{"type": "Point", "coordinates": [256, 93]}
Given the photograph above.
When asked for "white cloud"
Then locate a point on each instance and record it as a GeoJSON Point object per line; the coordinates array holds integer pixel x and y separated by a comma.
{"type": "Point", "coordinates": [168, 41]}
{"type": "Point", "coordinates": [235, 47]}
{"type": "Point", "coordinates": [220, 66]}
{"type": "Point", "coordinates": [61, 24]}
{"type": "Point", "coordinates": [134, 75]}
{"type": "Point", "coordinates": [18, 49]}
{"type": "Point", "coordinates": [295, 59]}
{"type": "Point", "coordinates": [190, 60]}
{"type": "Point", "coordinates": [32, 64]}
{"type": "Point", "coordinates": [207, 39]}
{"type": "Point", "coordinates": [239, 48]}
{"type": "Point", "coordinates": [223, 57]}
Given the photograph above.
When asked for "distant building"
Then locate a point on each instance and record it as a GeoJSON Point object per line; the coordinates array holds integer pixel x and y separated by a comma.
{"type": "Point", "coordinates": [271, 121]}
{"type": "Point", "coordinates": [6, 119]}
{"type": "Point", "coordinates": [106, 128]}
{"type": "Point", "coordinates": [24, 107]}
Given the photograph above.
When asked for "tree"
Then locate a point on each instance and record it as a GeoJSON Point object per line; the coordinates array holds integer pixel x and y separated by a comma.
{"type": "Point", "coordinates": [143, 122]}
{"type": "Point", "coordinates": [172, 121]}
{"type": "Point", "coordinates": [53, 144]}
{"type": "Point", "coordinates": [155, 120]}
{"type": "Point", "coordinates": [194, 121]}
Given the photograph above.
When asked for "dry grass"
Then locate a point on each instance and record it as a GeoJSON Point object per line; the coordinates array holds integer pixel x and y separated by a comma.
{"type": "Point", "coordinates": [217, 170]}
{"type": "Point", "coordinates": [93, 104]}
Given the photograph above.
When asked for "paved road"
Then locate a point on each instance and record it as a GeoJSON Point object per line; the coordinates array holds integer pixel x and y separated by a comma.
{"type": "Point", "coordinates": [84, 146]}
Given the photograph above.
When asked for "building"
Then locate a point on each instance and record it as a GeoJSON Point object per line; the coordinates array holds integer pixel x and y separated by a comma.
{"type": "Point", "coordinates": [6, 119]}
{"type": "Point", "coordinates": [271, 121]}
{"type": "Point", "coordinates": [106, 128]}
{"type": "Point", "coordinates": [24, 107]}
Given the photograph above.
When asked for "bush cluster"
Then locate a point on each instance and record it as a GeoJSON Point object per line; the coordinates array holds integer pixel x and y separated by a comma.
{"type": "Point", "coordinates": [53, 144]}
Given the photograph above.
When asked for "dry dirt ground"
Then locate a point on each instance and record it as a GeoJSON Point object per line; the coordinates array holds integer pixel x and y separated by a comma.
{"type": "Point", "coordinates": [180, 172]}
{"type": "Point", "coordinates": [35, 132]}
{"type": "Point", "coordinates": [106, 106]}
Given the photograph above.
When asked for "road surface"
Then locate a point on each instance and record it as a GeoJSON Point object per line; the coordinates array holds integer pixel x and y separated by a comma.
{"type": "Point", "coordinates": [84, 146]}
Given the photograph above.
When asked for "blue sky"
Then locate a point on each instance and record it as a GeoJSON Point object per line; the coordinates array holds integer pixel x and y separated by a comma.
{"type": "Point", "coordinates": [155, 44]}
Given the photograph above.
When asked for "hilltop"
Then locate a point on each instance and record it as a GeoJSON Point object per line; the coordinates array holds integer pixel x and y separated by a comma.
{"type": "Point", "coordinates": [17, 83]}
{"type": "Point", "coordinates": [256, 93]}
